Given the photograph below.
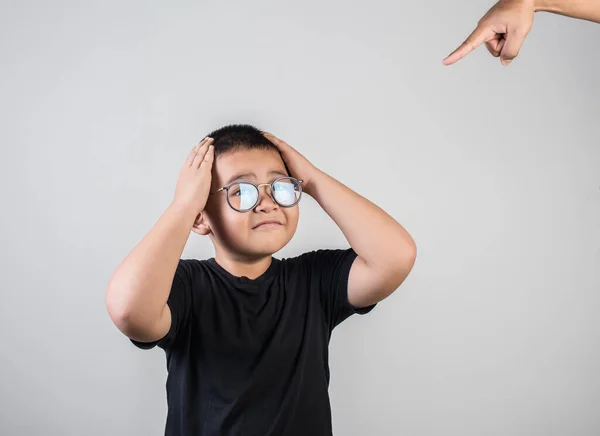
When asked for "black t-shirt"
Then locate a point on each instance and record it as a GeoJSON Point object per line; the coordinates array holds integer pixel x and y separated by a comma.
{"type": "Point", "coordinates": [250, 357]}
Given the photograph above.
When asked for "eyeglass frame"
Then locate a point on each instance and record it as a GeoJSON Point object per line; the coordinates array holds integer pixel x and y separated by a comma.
{"type": "Point", "coordinates": [270, 185]}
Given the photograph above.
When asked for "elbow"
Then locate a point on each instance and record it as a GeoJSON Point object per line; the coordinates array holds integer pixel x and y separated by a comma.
{"type": "Point", "coordinates": [411, 258]}
{"type": "Point", "coordinates": [118, 311]}
{"type": "Point", "coordinates": [405, 260]}
{"type": "Point", "coordinates": [133, 320]}
{"type": "Point", "coordinates": [126, 320]}
{"type": "Point", "coordinates": [120, 302]}
{"type": "Point", "coordinates": [401, 267]}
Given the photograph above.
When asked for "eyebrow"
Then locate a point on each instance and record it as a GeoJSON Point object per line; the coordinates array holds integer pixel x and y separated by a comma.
{"type": "Point", "coordinates": [244, 175]}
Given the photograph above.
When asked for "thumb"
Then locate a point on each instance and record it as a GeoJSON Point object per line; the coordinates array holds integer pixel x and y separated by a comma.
{"type": "Point", "coordinates": [494, 46]}
{"type": "Point", "coordinates": [514, 41]}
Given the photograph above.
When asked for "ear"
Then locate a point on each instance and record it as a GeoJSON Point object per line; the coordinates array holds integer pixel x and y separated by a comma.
{"type": "Point", "coordinates": [201, 225]}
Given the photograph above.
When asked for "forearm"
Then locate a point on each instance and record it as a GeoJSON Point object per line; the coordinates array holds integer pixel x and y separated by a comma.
{"type": "Point", "coordinates": [373, 234]}
{"type": "Point", "coordinates": [139, 288]}
{"type": "Point", "coordinates": [583, 9]}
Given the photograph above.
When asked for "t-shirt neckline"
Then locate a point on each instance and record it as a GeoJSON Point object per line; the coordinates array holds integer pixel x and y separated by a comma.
{"type": "Point", "coordinates": [269, 272]}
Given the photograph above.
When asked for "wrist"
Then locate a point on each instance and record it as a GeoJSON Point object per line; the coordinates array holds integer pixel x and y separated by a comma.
{"type": "Point", "coordinates": [311, 181]}
{"type": "Point", "coordinates": [186, 210]}
{"type": "Point", "coordinates": [541, 5]}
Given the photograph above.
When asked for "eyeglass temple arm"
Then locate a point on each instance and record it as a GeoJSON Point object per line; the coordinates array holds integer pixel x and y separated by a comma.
{"type": "Point", "coordinates": [218, 190]}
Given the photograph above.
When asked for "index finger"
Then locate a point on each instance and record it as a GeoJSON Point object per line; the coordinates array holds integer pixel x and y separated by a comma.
{"type": "Point", "coordinates": [475, 39]}
{"type": "Point", "coordinates": [194, 152]}
{"type": "Point", "coordinates": [274, 139]}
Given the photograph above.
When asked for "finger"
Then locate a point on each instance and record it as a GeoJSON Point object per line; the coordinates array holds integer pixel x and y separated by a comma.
{"type": "Point", "coordinates": [201, 152]}
{"type": "Point", "coordinates": [269, 136]}
{"type": "Point", "coordinates": [492, 50]}
{"type": "Point", "coordinates": [494, 46]}
{"type": "Point", "coordinates": [193, 153]}
{"type": "Point", "coordinates": [501, 44]}
{"type": "Point", "coordinates": [475, 39]}
{"type": "Point", "coordinates": [274, 139]}
{"type": "Point", "coordinates": [512, 46]}
{"type": "Point", "coordinates": [209, 157]}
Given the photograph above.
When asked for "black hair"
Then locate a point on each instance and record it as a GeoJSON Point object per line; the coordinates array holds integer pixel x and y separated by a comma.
{"type": "Point", "coordinates": [239, 137]}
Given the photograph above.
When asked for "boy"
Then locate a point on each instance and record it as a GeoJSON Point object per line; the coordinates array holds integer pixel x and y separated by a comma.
{"type": "Point", "coordinates": [246, 335]}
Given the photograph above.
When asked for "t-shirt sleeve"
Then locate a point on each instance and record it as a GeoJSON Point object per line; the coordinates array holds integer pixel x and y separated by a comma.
{"type": "Point", "coordinates": [331, 268]}
{"type": "Point", "coordinates": [181, 304]}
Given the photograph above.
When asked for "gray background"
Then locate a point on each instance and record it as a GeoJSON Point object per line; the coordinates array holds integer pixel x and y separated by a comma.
{"type": "Point", "coordinates": [495, 172]}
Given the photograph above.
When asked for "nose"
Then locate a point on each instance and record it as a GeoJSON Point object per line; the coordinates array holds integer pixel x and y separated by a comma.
{"type": "Point", "coordinates": [265, 201]}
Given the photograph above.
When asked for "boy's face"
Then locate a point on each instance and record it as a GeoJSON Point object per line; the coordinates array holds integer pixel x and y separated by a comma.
{"type": "Point", "coordinates": [236, 232]}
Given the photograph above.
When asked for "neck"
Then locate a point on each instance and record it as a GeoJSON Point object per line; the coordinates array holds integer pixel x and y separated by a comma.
{"type": "Point", "coordinates": [242, 265]}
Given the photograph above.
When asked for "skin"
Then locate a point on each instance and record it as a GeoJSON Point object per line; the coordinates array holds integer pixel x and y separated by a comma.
{"type": "Point", "coordinates": [136, 296]}
{"type": "Point", "coordinates": [386, 252]}
{"type": "Point", "coordinates": [138, 291]}
{"type": "Point", "coordinates": [239, 248]}
{"type": "Point", "coordinates": [504, 27]}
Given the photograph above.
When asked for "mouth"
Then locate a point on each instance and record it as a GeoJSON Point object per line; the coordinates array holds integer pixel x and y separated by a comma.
{"type": "Point", "coordinates": [270, 224]}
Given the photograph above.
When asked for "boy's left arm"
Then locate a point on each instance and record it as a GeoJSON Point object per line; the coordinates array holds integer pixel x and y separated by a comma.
{"type": "Point", "coordinates": [386, 252]}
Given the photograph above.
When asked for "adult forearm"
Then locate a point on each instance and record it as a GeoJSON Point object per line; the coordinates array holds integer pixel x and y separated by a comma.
{"type": "Point", "coordinates": [583, 9]}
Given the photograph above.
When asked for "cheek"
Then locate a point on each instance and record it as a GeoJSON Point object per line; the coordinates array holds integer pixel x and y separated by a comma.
{"type": "Point", "coordinates": [227, 223]}
{"type": "Point", "coordinates": [235, 225]}
{"type": "Point", "coordinates": [292, 215]}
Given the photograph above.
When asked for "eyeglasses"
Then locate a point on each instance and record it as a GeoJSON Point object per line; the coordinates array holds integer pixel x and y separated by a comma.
{"type": "Point", "coordinates": [243, 196]}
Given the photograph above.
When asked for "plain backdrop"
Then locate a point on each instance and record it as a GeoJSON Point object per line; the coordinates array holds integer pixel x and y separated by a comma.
{"type": "Point", "coordinates": [494, 170]}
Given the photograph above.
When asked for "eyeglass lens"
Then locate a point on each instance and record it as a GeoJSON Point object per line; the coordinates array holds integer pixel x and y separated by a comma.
{"type": "Point", "coordinates": [243, 196]}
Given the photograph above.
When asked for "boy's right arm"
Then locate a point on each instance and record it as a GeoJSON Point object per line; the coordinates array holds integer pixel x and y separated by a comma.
{"type": "Point", "coordinates": [136, 298]}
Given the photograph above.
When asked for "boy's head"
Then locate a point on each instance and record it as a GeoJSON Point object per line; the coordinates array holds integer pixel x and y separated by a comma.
{"type": "Point", "coordinates": [242, 153]}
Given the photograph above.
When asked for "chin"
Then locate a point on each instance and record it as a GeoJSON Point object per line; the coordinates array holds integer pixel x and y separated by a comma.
{"type": "Point", "coordinates": [268, 246]}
